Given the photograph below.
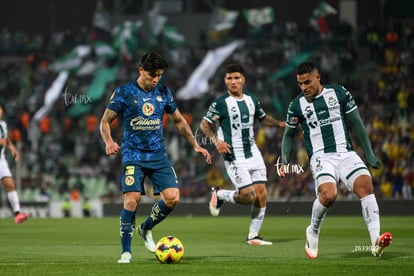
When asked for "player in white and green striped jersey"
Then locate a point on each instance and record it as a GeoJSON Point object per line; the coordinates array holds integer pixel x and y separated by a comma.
{"type": "Point", "coordinates": [325, 112]}
{"type": "Point", "coordinates": [235, 113]}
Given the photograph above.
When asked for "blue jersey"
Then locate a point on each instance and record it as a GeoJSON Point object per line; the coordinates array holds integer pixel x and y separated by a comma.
{"type": "Point", "coordinates": [142, 115]}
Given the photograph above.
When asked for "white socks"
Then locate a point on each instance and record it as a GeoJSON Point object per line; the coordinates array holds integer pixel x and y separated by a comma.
{"type": "Point", "coordinates": [256, 222]}
{"type": "Point", "coordinates": [318, 215]}
{"type": "Point", "coordinates": [14, 201]}
{"type": "Point", "coordinates": [257, 215]}
{"type": "Point", "coordinates": [226, 195]}
{"type": "Point", "coordinates": [370, 213]}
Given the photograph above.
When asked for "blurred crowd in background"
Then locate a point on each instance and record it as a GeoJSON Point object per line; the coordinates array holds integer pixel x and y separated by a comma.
{"type": "Point", "coordinates": [374, 62]}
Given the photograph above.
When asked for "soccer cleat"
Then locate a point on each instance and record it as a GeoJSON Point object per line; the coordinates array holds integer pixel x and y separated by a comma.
{"type": "Point", "coordinates": [21, 217]}
{"type": "Point", "coordinates": [382, 242]}
{"type": "Point", "coordinates": [146, 235]}
{"type": "Point", "coordinates": [311, 245]}
{"type": "Point", "coordinates": [258, 241]}
{"type": "Point", "coordinates": [125, 258]}
{"type": "Point", "coordinates": [215, 203]}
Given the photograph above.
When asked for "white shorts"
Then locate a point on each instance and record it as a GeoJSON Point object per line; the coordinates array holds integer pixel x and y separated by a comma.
{"type": "Point", "coordinates": [246, 172]}
{"type": "Point", "coordinates": [336, 167]}
{"type": "Point", "coordinates": [4, 168]}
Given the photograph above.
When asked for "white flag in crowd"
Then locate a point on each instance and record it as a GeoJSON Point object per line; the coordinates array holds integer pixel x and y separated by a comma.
{"type": "Point", "coordinates": [156, 20]}
{"type": "Point", "coordinates": [171, 34]}
{"type": "Point", "coordinates": [197, 84]}
{"type": "Point", "coordinates": [223, 19]}
{"type": "Point", "coordinates": [73, 60]}
{"type": "Point", "coordinates": [259, 17]}
{"type": "Point", "coordinates": [125, 38]}
{"type": "Point", "coordinates": [101, 18]}
{"type": "Point", "coordinates": [52, 94]}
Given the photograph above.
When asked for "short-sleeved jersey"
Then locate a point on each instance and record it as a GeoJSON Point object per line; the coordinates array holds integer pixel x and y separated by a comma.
{"type": "Point", "coordinates": [3, 134]}
{"type": "Point", "coordinates": [142, 115]}
{"type": "Point", "coordinates": [236, 118]}
{"type": "Point", "coordinates": [323, 120]}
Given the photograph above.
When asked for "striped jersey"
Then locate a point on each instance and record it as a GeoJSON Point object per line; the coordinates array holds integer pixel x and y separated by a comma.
{"type": "Point", "coordinates": [3, 134]}
{"type": "Point", "coordinates": [235, 118]}
{"type": "Point", "coordinates": [142, 116]}
{"type": "Point", "coordinates": [323, 120]}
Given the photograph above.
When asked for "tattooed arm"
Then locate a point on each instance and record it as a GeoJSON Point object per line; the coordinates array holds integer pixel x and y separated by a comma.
{"type": "Point", "coordinates": [111, 147]}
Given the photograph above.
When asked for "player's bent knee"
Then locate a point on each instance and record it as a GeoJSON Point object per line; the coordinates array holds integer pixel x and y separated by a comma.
{"type": "Point", "coordinates": [171, 203]}
{"type": "Point", "coordinates": [327, 197]}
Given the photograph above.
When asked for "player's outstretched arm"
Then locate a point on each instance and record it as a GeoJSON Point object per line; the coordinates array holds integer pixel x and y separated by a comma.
{"type": "Point", "coordinates": [185, 130]}
{"type": "Point", "coordinates": [355, 121]}
{"type": "Point", "coordinates": [287, 146]}
{"type": "Point", "coordinates": [268, 120]}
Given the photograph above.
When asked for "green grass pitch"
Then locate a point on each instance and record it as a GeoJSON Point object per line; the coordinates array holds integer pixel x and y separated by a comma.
{"type": "Point", "coordinates": [213, 246]}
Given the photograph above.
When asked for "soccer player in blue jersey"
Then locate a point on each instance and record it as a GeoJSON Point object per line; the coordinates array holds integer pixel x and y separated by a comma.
{"type": "Point", "coordinates": [141, 104]}
{"type": "Point", "coordinates": [325, 112]}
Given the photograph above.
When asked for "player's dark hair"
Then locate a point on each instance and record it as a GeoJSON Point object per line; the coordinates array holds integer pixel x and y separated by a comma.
{"type": "Point", "coordinates": [306, 67]}
{"type": "Point", "coordinates": [152, 61]}
{"type": "Point", "coordinates": [235, 68]}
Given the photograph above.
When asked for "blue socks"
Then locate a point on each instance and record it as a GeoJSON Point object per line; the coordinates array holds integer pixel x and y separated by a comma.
{"type": "Point", "coordinates": [127, 226]}
{"type": "Point", "coordinates": [127, 222]}
{"type": "Point", "coordinates": [158, 213]}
